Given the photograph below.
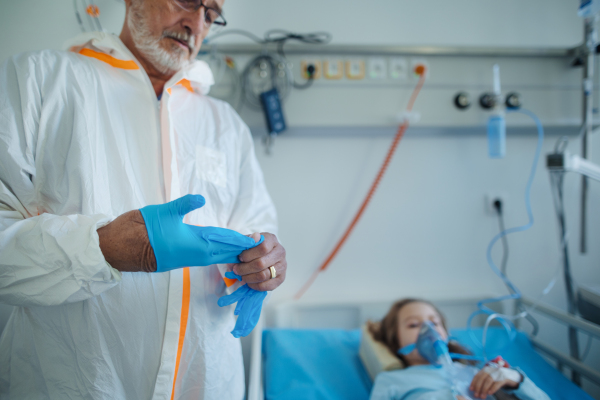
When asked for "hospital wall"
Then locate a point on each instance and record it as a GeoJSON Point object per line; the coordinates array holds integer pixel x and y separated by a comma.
{"type": "Point", "coordinates": [37, 24]}
{"type": "Point", "coordinates": [427, 228]}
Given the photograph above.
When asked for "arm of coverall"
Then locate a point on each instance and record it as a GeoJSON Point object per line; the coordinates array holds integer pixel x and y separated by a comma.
{"type": "Point", "coordinates": [44, 259]}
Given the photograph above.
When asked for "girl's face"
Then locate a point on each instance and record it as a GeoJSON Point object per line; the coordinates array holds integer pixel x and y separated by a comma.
{"type": "Point", "coordinates": [410, 319]}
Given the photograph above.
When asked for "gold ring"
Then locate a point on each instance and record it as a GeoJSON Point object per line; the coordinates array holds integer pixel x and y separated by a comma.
{"type": "Point", "coordinates": [273, 272]}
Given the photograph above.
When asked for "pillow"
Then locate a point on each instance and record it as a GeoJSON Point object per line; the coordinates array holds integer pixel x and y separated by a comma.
{"type": "Point", "coordinates": [375, 356]}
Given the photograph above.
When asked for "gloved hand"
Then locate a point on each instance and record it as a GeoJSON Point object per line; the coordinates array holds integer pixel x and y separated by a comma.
{"type": "Point", "coordinates": [249, 306]}
{"type": "Point", "coordinates": [178, 245]}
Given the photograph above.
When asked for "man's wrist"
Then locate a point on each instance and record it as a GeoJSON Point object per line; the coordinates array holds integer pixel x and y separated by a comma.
{"type": "Point", "coordinates": [125, 246]}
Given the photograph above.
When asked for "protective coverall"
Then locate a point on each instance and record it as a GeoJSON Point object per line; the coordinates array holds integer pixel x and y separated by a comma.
{"type": "Point", "coordinates": [84, 139]}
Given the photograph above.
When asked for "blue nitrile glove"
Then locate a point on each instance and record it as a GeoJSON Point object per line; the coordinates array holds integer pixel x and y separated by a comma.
{"type": "Point", "coordinates": [178, 245]}
{"type": "Point", "coordinates": [248, 308]}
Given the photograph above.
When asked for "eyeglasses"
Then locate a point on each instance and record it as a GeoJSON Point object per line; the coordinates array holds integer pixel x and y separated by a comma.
{"type": "Point", "coordinates": [211, 14]}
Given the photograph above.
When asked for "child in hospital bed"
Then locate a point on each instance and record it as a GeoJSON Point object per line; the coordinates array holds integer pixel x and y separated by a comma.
{"type": "Point", "coordinates": [421, 380]}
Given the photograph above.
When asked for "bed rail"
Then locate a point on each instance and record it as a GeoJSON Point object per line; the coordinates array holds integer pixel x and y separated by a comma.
{"type": "Point", "coordinates": [567, 360]}
{"type": "Point", "coordinates": [571, 321]}
{"type": "Point", "coordinates": [255, 385]}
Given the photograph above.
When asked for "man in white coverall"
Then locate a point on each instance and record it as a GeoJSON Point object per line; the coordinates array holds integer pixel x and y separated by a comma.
{"type": "Point", "coordinates": [87, 137]}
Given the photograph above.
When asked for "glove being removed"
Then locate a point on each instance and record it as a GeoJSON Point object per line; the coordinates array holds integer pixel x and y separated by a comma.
{"type": "Point", "coordinates": [248, 308]}
{"type": "Point", "coordinates": [178, 245]}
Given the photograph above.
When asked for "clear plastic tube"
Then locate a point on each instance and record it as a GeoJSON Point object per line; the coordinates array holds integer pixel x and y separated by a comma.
{"type": "Point", "coordinates": [496, 130]}
{"type": "Point", "coordinates": [504, 319]}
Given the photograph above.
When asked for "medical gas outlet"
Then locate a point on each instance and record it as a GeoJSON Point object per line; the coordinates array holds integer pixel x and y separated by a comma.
{"type": "Point", "coordinates": [513, 101]}
{"type": "Point", "coordinates": [462, 101]}
{"type": "Point", "coordinates": [418, 68]}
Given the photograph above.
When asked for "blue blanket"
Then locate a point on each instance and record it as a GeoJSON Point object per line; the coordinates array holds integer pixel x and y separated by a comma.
{"type": "Point", "coordinates": [324, 364]}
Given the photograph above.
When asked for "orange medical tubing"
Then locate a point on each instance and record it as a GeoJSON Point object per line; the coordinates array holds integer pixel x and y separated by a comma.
{"type": "Point", "coordinates": [185, 310]}
{"type": "Point", "coordinates": [421, 71]}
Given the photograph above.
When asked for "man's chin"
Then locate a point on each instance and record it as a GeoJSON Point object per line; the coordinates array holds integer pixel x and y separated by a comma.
{"type": "Point", "coordinates": [172, 61]}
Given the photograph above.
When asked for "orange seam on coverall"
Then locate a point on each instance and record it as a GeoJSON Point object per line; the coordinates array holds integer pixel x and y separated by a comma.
{"type": "Point", "coordinates": [185, 83]}
{"type": "Point", "coordinates": [115, 62]}
{"type": "Point", "coordinates": [229, 282]}
{"type": "Point", "coordinates": [185, 308]}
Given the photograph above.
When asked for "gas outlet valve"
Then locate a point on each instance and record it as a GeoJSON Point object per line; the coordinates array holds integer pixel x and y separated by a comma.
{"type": "Point", "coordinates": [462, 101]}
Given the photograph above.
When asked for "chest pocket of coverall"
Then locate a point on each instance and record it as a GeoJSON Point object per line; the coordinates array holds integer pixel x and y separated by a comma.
{"type": "Point", "coordinates": [211, 166]}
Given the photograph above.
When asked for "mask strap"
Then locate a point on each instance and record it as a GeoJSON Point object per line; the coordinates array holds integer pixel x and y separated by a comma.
{"type": "Point", "coordinates": [407, 349]}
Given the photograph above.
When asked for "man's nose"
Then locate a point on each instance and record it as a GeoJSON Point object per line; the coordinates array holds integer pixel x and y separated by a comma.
{"type": "Point", "coordinates": [195, 21]}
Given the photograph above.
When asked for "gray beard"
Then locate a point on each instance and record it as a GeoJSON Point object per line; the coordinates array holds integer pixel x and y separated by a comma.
{"type": "Point", "coordinates": [149, 46]}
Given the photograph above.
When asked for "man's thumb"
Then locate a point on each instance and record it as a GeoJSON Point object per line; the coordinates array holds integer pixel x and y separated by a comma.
{"type": "Point", "coordinates": [188, 203]}
{"type": "Point", "coordinates": [255, 236]}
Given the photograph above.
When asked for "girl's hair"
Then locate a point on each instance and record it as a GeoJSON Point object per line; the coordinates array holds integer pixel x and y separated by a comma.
{"type": "Point", "coordinates": [386, 331]}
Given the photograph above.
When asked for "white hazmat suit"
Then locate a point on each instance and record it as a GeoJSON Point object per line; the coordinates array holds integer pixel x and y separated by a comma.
{"type": "Point", "coordinates": [84, 139]}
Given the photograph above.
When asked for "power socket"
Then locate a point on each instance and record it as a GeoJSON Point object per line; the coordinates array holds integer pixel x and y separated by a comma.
{"type": "Point", "coordinates": [490, 199]}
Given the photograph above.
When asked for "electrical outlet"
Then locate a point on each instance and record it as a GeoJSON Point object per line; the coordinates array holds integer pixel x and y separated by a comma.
{"type": "Point", "coordinates": [333, 69]}
{"type": "Point", "coordinates": [490, 199]}
{"type": "Point", "coordinates": [355, 69]}
{"type": "Point", "coordinates": [377, 68]}
{"type": "Point", "coordinates": [399, 68]}
{"type": "Point", "coordinates": [304, 64]}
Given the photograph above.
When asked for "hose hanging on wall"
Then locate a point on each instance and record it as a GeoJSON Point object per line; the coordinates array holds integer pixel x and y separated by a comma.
{"type": "Point", "coordinates": [274, 65]}
{"type": "Point", "coordinates": [421, 71]}
{"type": "Point", "coordinates": [92, 13]}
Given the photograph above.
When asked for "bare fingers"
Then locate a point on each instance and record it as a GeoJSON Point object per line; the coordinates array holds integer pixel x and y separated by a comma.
{"type": "Point", "coordinates": [256, 262]}
{"type": "Point", "coordinates": [270, 284]}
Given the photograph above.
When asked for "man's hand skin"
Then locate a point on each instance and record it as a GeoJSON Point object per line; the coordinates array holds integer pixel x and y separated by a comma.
{"type": "Point", "coordinates": [254, 263]}
{"type": "Point", "coordinates": [125, 244]}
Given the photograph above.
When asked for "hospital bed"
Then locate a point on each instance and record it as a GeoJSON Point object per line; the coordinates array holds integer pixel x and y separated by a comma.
{"type": "Point", "coordinates": [311, 351]}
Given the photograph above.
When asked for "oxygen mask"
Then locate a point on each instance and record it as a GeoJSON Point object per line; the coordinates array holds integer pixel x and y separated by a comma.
{"type": "Point", "coordinates": [430, 345]}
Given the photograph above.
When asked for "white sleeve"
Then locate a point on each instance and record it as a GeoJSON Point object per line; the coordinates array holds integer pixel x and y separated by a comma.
{"type": "Point", "coordinates": [254, 210]}
{"type": "Point", "coordinates": [44, 259]}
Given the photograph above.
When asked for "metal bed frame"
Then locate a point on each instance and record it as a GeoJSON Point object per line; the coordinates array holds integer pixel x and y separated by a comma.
{"type": "Point", "coordinates": [571, 321]}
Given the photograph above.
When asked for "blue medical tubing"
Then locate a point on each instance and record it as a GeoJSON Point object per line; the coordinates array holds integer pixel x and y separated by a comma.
{"type": "Point", "coordinates": [178, 245]}
{"type": "Point", "coordinates": [516, 293]}
{"type": "Point", "coordinates": [248, 308]}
